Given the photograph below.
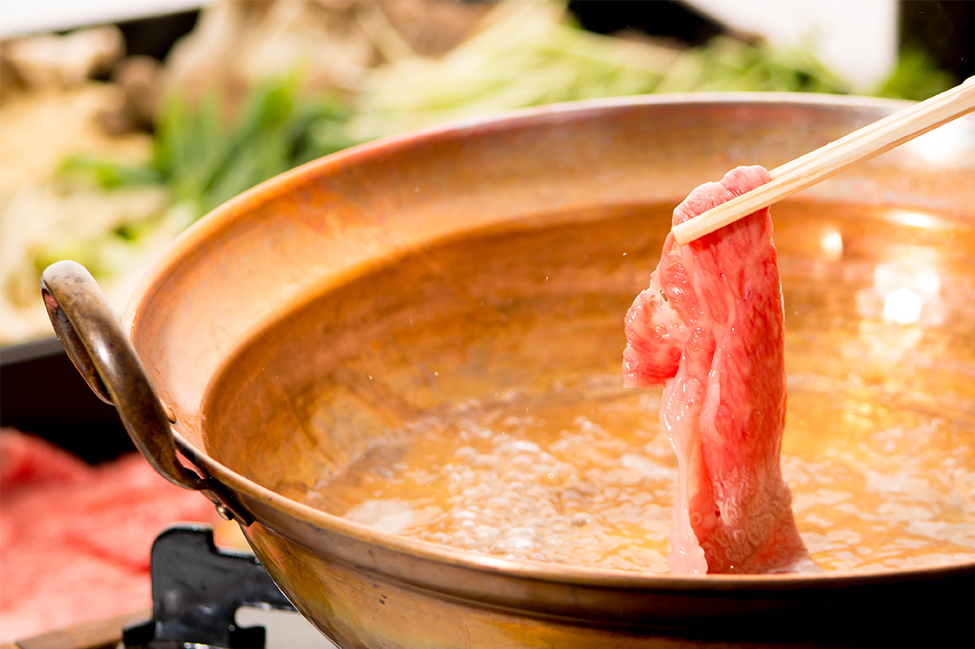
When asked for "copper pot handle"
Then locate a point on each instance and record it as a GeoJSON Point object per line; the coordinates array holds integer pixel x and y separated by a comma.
{"type": "Point", "coordinates": [93, 338]}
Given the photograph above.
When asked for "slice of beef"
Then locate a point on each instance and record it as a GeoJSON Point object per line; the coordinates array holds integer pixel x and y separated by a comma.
{"type": "Point", "coordinates": [710, 328]}
{"type": "Point", "coordinates": [75, 539]}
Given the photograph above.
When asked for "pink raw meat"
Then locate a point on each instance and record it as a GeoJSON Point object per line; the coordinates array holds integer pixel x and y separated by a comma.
{"type": "Point", "coordinates": [710, 328]}
{"type": "Point", "coordinates": [75, 539]}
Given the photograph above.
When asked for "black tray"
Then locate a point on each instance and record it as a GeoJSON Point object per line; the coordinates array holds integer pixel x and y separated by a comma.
{"type": "Point", "coordinates": [43, 394]}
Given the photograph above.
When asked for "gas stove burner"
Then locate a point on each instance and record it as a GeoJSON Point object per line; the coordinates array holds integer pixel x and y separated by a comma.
{"type": "Point", "coordinates": [197, 589]}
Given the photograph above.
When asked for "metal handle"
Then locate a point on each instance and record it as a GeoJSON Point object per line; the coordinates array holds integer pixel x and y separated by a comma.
{"type": "Point", "coordinates": [91, 335]}
{"type": "Point", "coordinates": [94, 341]}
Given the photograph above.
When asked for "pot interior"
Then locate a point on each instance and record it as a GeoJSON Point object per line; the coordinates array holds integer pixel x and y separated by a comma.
{"type": "Point", "coordinates": [486, 364]}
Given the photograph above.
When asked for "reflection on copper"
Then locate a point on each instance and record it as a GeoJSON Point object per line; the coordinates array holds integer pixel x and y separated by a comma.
{"type": "Point", "coordinates": [905, 291]}
{"type": "Point", "coordinates": [832, 244]}
{"type": "Point", "coordinates": [944, 145]}
{"type": "Point", "coordinates": [902, 306]}
{"type": "Point", "coordinates": [903, 300]}
{"type": "Point", "coordinates": [928, 282]}
{"type": "Point", "coordinates": [913, 218]}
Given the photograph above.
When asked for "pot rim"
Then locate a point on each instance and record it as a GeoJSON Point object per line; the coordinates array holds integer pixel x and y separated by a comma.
{"type": "Point", "coordinates": [224, 216]}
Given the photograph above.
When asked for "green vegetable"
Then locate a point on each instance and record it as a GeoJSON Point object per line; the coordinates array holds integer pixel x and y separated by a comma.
{"type": "Point", "coordinates": [526, 54]}
{"type": "Point", "coordinates": [108, 174]}
{"type": "Point", "coordinates": [916, 76]}
{"type": "Point", "coordinates": [206, 161]}
{"type": "Point", "coordinates": [726, 64]}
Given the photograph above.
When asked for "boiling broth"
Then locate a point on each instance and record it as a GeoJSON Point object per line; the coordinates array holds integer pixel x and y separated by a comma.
{"type": "Point", "coordinates": [548, 480]}
{"type": "Point", "coordinates": [387, 388]}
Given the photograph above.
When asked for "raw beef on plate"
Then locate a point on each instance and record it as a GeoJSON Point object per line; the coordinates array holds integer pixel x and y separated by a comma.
{"type": "Point", "coordinates": [710, 328]}
{"type": "Point", "coordinates": [75, 539]}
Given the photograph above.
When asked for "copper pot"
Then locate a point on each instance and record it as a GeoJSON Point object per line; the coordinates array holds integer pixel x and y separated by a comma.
{"type": "Point", "coordinates": [303, 286]}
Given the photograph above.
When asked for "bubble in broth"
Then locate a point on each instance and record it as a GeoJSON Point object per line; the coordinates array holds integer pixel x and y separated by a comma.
{"type": "Point", "coordinates": [586, 480]}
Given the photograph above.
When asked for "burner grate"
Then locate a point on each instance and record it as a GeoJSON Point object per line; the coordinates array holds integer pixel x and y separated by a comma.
{"type": "Point", "coordinates": [197, 589]}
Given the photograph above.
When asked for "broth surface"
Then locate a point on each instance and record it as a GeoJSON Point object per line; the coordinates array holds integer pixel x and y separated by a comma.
{"type": "Point", "coordinates": [380, 400]}
{"type": "Point", "coordinates": [548, 480]}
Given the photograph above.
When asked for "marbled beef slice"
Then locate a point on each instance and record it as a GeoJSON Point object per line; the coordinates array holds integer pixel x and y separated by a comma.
{"type": "Point", "coordinates": [710, 329]}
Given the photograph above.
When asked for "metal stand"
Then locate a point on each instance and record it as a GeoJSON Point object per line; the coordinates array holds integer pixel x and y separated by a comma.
{"type": "Point", "coordinates": [196, 591]}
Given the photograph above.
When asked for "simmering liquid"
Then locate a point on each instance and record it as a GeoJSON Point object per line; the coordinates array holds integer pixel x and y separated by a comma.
{"type": "Point", "coordinates": [546, 480]}
{"type": "Point", "coordinates": [381, 400]}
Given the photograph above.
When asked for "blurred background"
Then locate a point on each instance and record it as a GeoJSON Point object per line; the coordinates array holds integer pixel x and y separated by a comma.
{"type": "Point", "coordinates": [121, 123]}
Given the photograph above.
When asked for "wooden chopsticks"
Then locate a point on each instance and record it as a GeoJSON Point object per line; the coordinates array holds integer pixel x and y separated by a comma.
{"type": "Point", "coordinates": [826, 161]}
